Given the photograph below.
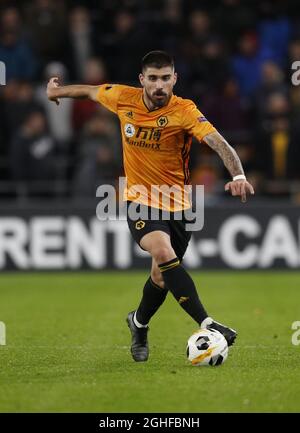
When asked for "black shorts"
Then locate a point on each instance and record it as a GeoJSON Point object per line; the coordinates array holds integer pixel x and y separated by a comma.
{"type": "Point", "coordinates": [176, 229]}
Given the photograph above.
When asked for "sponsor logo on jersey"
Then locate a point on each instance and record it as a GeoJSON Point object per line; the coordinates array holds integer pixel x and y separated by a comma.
{"type": "Point", "coordinates": [202, 119]}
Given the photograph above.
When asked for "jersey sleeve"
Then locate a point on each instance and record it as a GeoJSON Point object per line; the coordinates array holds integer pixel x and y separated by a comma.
{"type": "Point", "coordinates": [109, 94]}
{"type": "Point", "coordinates": [195, 123]}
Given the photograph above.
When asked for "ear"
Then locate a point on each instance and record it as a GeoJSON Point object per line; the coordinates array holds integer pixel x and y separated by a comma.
{"type": "Point", "coordinates": [141, 78]}
{"type": "Point", "coordinates": [175, 78]}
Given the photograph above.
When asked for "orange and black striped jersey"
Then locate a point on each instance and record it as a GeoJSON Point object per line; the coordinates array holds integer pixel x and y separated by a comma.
{"type": "Point", "coordinates": [156, 144]}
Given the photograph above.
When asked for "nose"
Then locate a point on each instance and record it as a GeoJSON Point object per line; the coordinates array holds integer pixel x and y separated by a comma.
{"type": "Point", "coordinates": [159, 84]}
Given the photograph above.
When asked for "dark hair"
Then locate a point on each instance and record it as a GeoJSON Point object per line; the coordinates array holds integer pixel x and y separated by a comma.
{"type": "Point", "coordinates": [157, 59]}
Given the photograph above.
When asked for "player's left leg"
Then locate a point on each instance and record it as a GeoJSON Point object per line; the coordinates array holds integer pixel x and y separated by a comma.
{"type": "Point", "coordinates": [178, 281]}
{"type": "Point", "coordinates": [180, 239]}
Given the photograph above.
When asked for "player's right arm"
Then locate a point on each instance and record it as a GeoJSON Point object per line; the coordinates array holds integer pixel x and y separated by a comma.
{"type": "Point", "coordinates": [78, 91]}
{"type": "Point", "coordinates": [107, 95]}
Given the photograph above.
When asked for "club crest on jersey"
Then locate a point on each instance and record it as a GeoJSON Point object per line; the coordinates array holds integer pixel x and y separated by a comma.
{"type": "Point", "coordinates": [129, 130]}
{"type": "Point", "coordinates": [162, 121]}
{"type": "Point", "coordinates": [129, 114]}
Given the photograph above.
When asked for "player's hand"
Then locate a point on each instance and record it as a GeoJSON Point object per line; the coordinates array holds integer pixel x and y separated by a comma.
{"type": "Point", "coordinates": [52, 85]}
{"type": "Point", "coordinates": [240, 188]}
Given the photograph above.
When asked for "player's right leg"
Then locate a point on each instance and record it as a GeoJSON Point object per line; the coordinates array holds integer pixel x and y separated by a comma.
{"type": "Point", "coordinates": [154, 294]}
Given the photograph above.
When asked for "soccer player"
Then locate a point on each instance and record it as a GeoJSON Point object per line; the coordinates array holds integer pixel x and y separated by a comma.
{"type": "Point", "coordinates": [157, 129]}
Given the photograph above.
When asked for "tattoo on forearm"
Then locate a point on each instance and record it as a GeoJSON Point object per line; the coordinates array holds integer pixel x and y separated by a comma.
{"type": "Point", "coordinates": [229, 156]}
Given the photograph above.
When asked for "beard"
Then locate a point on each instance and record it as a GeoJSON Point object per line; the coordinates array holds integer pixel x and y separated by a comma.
{"type": "Point", "coordinates": [158, 99]}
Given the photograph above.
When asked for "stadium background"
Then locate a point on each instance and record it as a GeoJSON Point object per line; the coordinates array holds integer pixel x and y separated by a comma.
{"type": "Point", "coordinates": [233, 59]}
{"type": "Point", "coordinates": [66, 348]}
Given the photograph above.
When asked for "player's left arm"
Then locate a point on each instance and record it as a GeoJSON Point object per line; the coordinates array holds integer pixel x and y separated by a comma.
{"type": "Point", "coordinates": [239, 187]}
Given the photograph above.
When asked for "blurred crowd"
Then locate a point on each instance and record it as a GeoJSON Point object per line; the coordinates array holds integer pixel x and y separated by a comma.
{"type": "Point", "coordinates": [233, 59]}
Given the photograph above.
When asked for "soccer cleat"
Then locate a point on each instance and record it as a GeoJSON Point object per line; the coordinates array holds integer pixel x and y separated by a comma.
{"type": "Point", "coordinates": [229, 334]}
{"type": "Point", "coordinates": [139, 343]}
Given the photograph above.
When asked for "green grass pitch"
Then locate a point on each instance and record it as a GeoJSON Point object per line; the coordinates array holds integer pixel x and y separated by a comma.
{"type": "Point", "coordinates": [68, 345]}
